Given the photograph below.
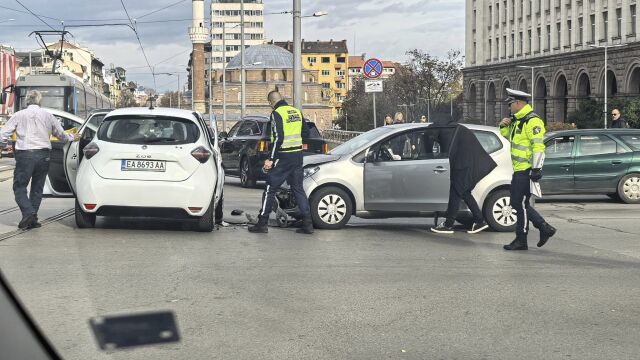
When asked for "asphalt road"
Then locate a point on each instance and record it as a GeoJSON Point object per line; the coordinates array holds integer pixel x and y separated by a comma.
{"type": "Point", "coordinates": [376, 290]}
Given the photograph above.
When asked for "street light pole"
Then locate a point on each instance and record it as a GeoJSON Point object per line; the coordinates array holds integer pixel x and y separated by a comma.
{"type": "Point", "coordinates": [297, 54]}
{"type": "Point", "coordinates": [224, 77]}
{"type": "Point", "coordinates": [243, 85]}
{"type": "Point", "coordinates": [606, 68]}
{"type": "Point", "coordinates": [533, 68]}
{"type": "Point", "coordinates": [485, 97]}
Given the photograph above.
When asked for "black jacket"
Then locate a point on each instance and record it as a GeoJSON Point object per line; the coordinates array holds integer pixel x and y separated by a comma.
{"type": "Point", "coordinates": [619, 124]}
{"type": "Point", "coordinates": [468, 161]}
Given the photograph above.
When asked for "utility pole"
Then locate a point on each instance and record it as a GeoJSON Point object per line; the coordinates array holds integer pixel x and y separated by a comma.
{"type": "Point", "coordinates": [297, 54]}
{"type": "Point", "coordinates": [243, 98]}
{"type": "Point", "coordinates": [606, 68]}
{"type": "Point", "coordinates": [533, 69]}
{"type": "Point", "coordinates": [485, 97]}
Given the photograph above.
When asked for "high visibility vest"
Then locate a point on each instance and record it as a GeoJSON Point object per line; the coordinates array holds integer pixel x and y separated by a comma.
{"type": "Point", "coordinates": [526, 134]}
{"type": "Point", "coordinates": [292, 127]}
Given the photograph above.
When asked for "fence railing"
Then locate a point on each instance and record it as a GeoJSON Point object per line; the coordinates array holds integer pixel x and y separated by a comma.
{"type": "Point", "coordinates": [338, 136]}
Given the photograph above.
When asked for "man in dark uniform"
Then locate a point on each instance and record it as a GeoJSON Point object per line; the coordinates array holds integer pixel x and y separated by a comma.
{"type": "Point", "coordinates": [284, 163]}
{"type": "Point", "coordinates": [525, 130]}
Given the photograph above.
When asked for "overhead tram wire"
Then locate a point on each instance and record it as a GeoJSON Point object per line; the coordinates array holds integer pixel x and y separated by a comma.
{"type": "Point", "coordinates": [27, 12]}
{"type": "Point", "coordinates": [36, 15]}
{"type": "Point", "coordinates": [135, 31]}
{"type": "Point", "coordinates": [166, 7]}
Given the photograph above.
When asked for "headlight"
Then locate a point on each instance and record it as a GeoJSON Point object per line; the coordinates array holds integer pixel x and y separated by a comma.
{"type": "Point", "coordinates": [310, 171]}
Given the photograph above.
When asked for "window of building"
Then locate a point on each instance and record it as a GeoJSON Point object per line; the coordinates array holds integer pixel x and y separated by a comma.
{"type": "Point", "coordinates": [326, 85]}
{"type": "Point", "coordinates": [569, 31]}
{"type": "Point", "coordinates": [530, 6]}
{"type": "Point", "coordinates": [340, 73]}
{"type": "Point", "coordinates": [539, 47]}
{"type": "Point", "coordinates": [619, 18]}
{"type": "Point", "coordinates": [342, 60]}
{"type": "Point", "coordinates": [312, 60]}
{"type": "Point", "coordinates": [504, 8]}
{"type": "Point", "coordinates": [513, 44]}
{"type": "Point", "coordinates": [473, 58]}
{"type": "Point", "coordinates": [558, 35]}
{"type": "Point", "coordinates": [513, 9]}
{"type": "Point", "coordinates": [490, 50]}
{"type": "Point", "coordinates": [340, 85]}
{"type": "Point", "coordinates": [497, 55]}
{"type": "Point", "coordinates": [539, 6]}
{"type": "Point", "coordinates": [632, 10]}
{"type": "Point", "coordinates": [520, 46]}
{"type": "Point", "coordinates": [530, 40]}
{"type": "Point", "coordinates": [490, 16]}
{"type": "Point", "coordinates": [326, 72]}
{"type": "Point", "coordinates": [504, 46]}
{"type": "Point", "coordinates": [474, 19]}
{"type": "Point", "coordinates": [548, 37]}
{"type": "Point", "coordinates": [326, 60]}
{"type": "Point", "coordinates": [581, 30]}
{"type": "Point", "coordinates": [592, 39]}
{"type": "Point", "coordinates": [497, 15]}
{"type": "Point", "coordinates": [605, 18]}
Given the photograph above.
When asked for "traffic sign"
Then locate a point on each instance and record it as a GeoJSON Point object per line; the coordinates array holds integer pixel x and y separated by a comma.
{"type": "Point", "coordinates": [372, 86]}
{"type": "Point", "coordinates": [372, 69]}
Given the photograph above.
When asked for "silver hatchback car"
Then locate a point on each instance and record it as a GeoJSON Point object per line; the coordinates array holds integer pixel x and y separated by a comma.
{"type": "Point", "coordinates": [400, 171]}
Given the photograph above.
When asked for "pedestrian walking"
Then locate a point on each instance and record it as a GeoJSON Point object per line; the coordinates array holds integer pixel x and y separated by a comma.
{"type": "Point", "coordinates": [469, 163]}
{"type": "Point", "coordinates": [33, 127]}
{"type": "Point", "coordinates": [618, 122]}
{"type": "Point", "coordinates": [525, 130]}
{"type": "Point", "coordinates": [284, 163]}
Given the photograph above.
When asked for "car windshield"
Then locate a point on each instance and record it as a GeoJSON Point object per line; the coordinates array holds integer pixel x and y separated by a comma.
{"type": "Point", "coordinates": [148, 130]}
{"type": "Point", "coordinates": [359, 141]}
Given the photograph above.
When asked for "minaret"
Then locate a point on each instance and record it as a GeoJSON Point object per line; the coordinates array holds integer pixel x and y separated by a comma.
{"type": "Point", "coordinates": [199, 35]}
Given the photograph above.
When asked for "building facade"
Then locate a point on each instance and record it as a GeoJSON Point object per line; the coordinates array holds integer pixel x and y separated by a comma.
{"type": "Point", "coordinates": [356, 63]}
{"type": "Point", "coordinates": [562, 40]}
{"type": "Point", "coordinates": [226, 14]}
{"type": "Point", "coordinates": [270, 68]}
{"type": "Point", "coordinates": [331, 60]}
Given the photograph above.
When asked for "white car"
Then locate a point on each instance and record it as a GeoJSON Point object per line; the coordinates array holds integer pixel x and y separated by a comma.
{"type": "Point", "coordinates": [147, 162]}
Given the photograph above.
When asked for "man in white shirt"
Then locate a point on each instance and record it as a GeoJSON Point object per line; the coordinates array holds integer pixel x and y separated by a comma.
{"type": "Point", "coordinates": [33, 127]}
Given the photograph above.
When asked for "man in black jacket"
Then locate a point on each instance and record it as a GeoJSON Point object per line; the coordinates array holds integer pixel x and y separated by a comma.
{"type": "Point", "coordinates": [469, 163]}
{"type": "Point", "coordinates": [618, 122]}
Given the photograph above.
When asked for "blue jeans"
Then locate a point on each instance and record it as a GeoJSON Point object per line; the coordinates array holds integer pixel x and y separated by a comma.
{"type": "Point", "coordinates": [520, 196]}
{"type": "Point", "coordinates": [287, 167]}
{"type": "Point", "coordinates": [31, 166]}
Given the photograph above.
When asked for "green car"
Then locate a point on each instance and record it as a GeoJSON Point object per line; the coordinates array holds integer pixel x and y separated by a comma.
{"type": "Point", "coordinates": [593, 161]}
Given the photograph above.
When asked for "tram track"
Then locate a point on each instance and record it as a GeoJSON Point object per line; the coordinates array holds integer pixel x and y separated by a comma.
{"type": "Point", "coordinates": [45, 222]}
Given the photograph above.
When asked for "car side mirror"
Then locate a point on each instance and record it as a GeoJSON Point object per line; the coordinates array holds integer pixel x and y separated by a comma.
{"type": "Point", "coordinates": [370, 156]}
{"type": "Point", "coordinates": [223, 135]}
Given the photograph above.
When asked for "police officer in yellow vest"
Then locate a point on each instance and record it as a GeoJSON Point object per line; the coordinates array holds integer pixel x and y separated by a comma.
{"type": "Point", "coordinates": [525, 130]}
{"type": "Point", "coordinates": [285, 162]}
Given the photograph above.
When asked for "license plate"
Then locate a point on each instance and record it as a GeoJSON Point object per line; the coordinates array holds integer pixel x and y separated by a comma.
{"type": "Point", "coordinates": [143, 165]}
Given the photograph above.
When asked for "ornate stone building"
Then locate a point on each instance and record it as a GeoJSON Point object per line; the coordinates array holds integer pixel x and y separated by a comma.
{"type": "Point", "coordinates": [268, 67]}
{"type": "Point", "coordinates": [563, 40]}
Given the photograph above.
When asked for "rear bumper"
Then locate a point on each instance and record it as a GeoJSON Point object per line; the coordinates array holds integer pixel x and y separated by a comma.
{"type": "Point", "coordinates": [146, 198]}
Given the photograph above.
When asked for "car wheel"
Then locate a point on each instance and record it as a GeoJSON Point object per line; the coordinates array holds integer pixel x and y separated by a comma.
{"type": "Point", "coordinates": [247, 179]}
{"type": "Point", "coordinates": [629, 189]}
{"type": "Point", "coordinates": [83, 219]}
{"type": "Point", "coordinates": [498, 213]}
{"type": "Point", "coordinates": [331, 208]}
{"type": "Point", "coordinates": [206, 223]}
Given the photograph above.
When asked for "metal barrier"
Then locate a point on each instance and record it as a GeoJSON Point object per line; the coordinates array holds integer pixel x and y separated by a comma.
{"type": "Point", "coordinates": [338, 136]}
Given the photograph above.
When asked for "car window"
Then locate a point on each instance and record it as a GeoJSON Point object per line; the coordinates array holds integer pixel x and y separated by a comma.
{"type": "Point", "coordinates": [67, 123]}
{"type": "Point", "coordinates": [359, 141]}
{"type": "Point", "coordinates": [148, 130]}
{"type": "Point", "coordinates": [489, 141]}
{"type": "Point", "coordinates": [234, 129]}
{"type": "Point", "coordinates": [423, 144]}
{"type": "Point", "coordinates": [249, 128]}
{"type": "Point", "coordinates": [96, 120]}
{"type": "Point", "coordinates": [598, 145]}
{"type": "Point", "coordinates": [633, 141]}
{"type": "Point", "coordinates": [559, 147]}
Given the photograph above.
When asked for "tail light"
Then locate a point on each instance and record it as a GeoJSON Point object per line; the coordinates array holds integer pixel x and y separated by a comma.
{"type": "Point", "coordinates": [201, 154]}
{"type": "Point", "coordinates": [263, 146]}
{"type": "Point", "coordinates": [325, 148]}
{"type": "Point", "coordinates": [195, 209]}
{"type": "Point", "coordinates": [90, 150]}
{"type": "Point", "coordinates": [89, 206]}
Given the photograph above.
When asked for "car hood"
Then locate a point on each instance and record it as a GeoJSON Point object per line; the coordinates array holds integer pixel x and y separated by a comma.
{"type": "Point", "coordinates": [319, 159]}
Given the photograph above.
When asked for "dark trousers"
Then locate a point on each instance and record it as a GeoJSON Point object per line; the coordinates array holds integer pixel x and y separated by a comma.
{"type": "Point", "coordinates": [287, 167]}
{"type": "Point", "coordinates": [31, 166]}
{"type": "Point", "coordinates": [520, 196]}
{"type": "Point", "coordinates": [454, 206]}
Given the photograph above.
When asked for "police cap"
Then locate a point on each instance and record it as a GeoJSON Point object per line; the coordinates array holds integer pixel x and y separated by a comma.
{"type": "Point", "coordinates": [514, 95]}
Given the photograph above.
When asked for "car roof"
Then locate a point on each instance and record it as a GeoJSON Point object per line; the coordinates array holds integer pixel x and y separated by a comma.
{"type": "Point", "coordinates": [409, 126]}
{"type": "Point", "coordinates": [594, 131]}
{"type": "Point", "coordinates": [158, 111]}
{"type": "Point", "coordinates": [64, 114]}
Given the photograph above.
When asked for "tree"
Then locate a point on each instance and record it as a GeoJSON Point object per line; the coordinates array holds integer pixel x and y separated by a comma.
{"type": "Point", "coordinates": [589, 113]}
{"type": "Point", "coordinates": [424, 79]}
{"type": "Point", "coordinates": [169, 99]}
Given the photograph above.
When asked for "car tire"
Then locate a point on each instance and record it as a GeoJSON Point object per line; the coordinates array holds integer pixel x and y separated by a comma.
{"type": "Point", "coordinates": [498, 213]}
{"type": "Point", "coordinates": [84, 220]}
{"type": "Point", "coordinates": [247, 178]}
{"type": "Point", "coordinates": [206, 223]}
{"type": "Point", "coordinates": [629, 189]}
{"type": "Point", "coordinates": [331, 208]}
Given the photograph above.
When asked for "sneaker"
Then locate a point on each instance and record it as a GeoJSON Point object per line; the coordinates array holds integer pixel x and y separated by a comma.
{"type": "Point", "coordinates": [477, 227]}
{"type": "Point", "coordinates": [442, 229]}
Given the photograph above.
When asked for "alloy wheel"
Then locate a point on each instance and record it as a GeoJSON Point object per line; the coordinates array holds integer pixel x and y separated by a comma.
{"type": "Point", "coordinates": [631, 188]}
{"type": "Point", "coordinates": [503, 213]}
{"type": "Point", "coordinates": [332, 209]}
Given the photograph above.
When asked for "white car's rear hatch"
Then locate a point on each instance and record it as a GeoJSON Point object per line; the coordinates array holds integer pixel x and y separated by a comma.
{"type": "Point", "coordinates": [153, 148]}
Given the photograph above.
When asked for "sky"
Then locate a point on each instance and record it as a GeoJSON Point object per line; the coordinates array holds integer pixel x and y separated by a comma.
{"type": "Point", "coordinates": [385, 29]}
